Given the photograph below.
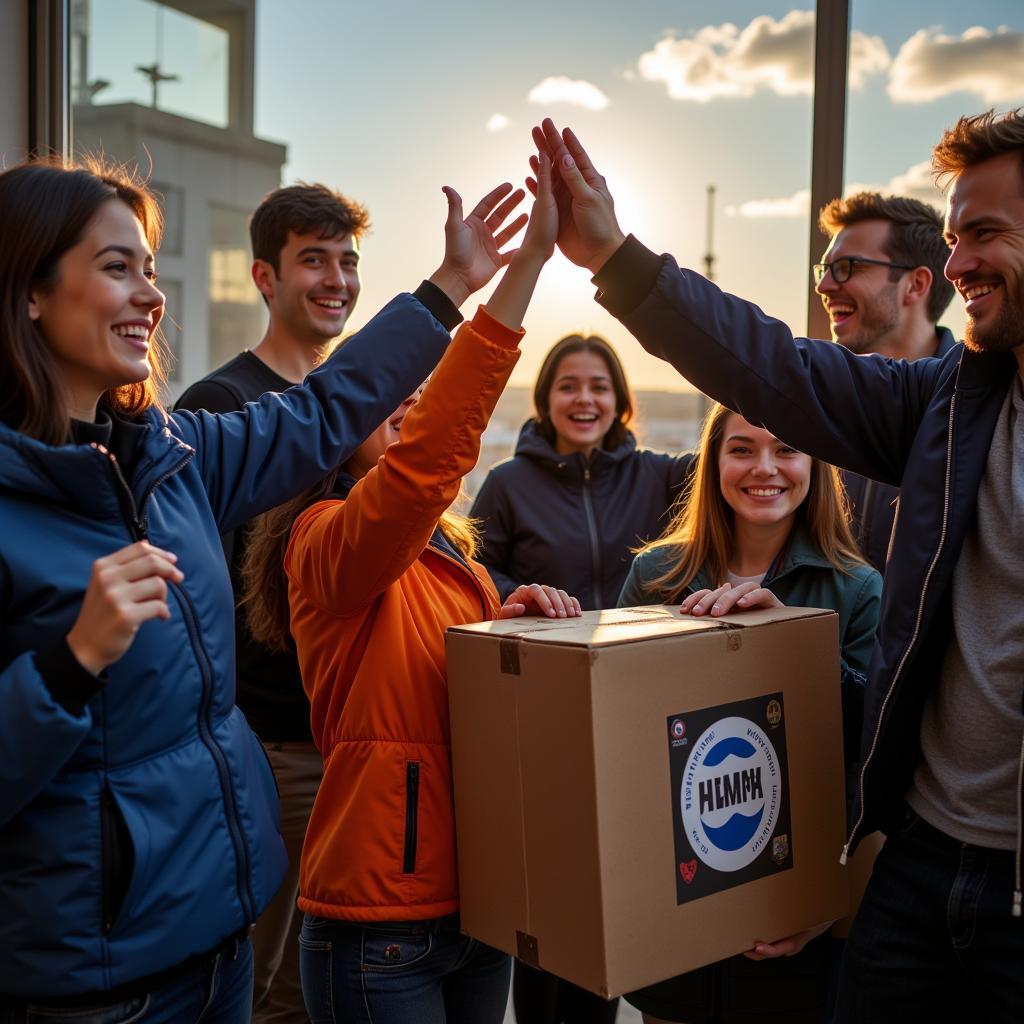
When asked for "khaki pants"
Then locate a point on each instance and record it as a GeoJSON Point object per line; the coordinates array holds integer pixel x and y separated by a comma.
{"type": "Point", "coordinates": [277, 991]}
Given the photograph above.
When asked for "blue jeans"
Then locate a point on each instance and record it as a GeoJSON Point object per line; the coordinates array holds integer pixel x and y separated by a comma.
{"type": "Point", "coordinates": [410, 972]}
{"type": "Point", "coordinates": [218, 991]}
{"type": "Point", "coordinates": [934, 939]}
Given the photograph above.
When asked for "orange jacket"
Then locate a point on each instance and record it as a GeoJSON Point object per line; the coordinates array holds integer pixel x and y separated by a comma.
{"type": "Point", "coordinates": [371, 596]}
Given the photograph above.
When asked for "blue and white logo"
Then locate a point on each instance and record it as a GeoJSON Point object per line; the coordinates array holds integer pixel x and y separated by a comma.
{"type": "Point", "coordinates": [731, 794]}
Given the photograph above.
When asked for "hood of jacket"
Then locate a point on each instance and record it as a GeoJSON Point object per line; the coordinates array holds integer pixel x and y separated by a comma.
{"type": "Point", "coordinates": [534, 445]}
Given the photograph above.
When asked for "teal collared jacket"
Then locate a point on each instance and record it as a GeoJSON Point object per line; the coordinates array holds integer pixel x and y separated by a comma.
{"type": "Point", "coordinates": [803, 578]}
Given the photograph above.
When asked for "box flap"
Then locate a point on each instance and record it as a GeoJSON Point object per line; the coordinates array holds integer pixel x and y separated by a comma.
{"type": "Point", "coordinates": [628, 625]}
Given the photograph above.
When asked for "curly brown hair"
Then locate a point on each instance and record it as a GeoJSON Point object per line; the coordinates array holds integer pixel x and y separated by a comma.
{"type": "Point", "coordinates": [973, 140]}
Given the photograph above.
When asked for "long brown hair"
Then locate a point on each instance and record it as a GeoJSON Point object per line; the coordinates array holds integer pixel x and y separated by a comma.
{"type": "Point", "coordinates": [624, 404]}
{"type": "Point", "coordinates": [45, 208]}
{"type": "Point", "coordinates": [264, 599]}
{"type": "Point", "coordinates": [700, 534]}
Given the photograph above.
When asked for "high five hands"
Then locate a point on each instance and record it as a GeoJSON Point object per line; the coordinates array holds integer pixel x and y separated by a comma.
{"type": "Point", "coordinates": [588, 232]}
{"type": "Point", "coordinates": [572, 206]}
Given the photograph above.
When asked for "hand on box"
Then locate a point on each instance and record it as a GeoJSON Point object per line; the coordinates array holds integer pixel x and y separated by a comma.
{"type": "Point", "coordinates": [728, 598]}
{"type": "Point", "coordinates": [789, 946]}
{"type": "Point", "coordinates": [533, 598]}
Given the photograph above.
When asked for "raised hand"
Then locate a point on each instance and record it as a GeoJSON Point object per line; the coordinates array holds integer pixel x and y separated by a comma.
{"type": "Point", "coordinates": [588, 232]}
{"type": "Point", "coordinates": [472, 244]}
{"type": "Point", "coordinates": [542, 231]}
{"type": "Point", "coordinates": [125, 590]}
{"type": "Point", "coordinates": [511, 297]}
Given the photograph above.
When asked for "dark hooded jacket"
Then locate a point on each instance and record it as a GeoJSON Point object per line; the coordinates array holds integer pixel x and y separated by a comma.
{"type": "Point", "coordinates": [572, 523]}
{"type": "Point", "coordinates": [924, 425]}
{"type": "Point", "coordinates": [873, 505]}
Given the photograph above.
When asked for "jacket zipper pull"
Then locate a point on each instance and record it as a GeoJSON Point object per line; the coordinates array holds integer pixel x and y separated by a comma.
{"type": "Point", "coordinates": [844, 855]}
{"type": "Point", "coordinates": [1016, 902]}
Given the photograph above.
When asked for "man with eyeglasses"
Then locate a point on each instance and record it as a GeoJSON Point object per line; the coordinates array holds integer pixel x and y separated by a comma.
{"type": "Point", "coordinates": [881, 282]}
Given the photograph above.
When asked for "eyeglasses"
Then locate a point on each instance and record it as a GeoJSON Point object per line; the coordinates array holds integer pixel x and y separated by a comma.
{"type": "Point", "coordinates": [842, 269]}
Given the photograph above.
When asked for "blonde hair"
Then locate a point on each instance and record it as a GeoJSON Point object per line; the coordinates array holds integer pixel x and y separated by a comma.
{"type": "Point", "coordinates": [700, 535]}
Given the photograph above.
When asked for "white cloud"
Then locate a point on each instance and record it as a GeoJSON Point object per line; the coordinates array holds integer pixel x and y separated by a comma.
{"type": "Point", "coordinates": [796, 205]}
{"type": "Point", "coordinates": [930, 65]}
{"type": "Point", "coordinates": [562, 89]}
{"type": "Point", "coordinates": [724, 60]}
{"type": "Point", "coordinates": [497, 123]}
{"type": "Point", "coordinates": [915, 182]}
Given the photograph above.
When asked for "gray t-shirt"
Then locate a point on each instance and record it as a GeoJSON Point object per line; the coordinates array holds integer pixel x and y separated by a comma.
{"type": "Point", "coordinates": [973, 724]}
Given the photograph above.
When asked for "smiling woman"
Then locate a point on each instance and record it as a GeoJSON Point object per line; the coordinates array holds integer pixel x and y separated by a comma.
{"type": "Point", "coordinates": [761, 524]}
{"type": "Point", "coordinates": [138, 813]}
{"type": "Point", "coordinates": [86, 270]}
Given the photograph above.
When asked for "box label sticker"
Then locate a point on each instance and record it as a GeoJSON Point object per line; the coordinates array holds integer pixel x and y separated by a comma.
{"type": "Point", "coordinates": [730, 795]}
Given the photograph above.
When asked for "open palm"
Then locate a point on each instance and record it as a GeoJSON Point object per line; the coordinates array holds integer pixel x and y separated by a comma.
{"type": "Point", "coordinates": [473, 244]}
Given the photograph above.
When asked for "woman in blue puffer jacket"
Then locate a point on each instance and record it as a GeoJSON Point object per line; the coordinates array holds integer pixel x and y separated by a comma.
{"type": "Point", "coordinates": [138, 816]}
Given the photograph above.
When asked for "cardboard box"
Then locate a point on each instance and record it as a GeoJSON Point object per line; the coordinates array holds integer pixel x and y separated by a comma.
{"type": "Point", "coordinates": [638, 794]}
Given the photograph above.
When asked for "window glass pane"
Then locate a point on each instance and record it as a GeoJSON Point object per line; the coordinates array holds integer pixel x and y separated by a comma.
{"type": "Point", "coordinates": [148, 53]}
{"type": "Point", "coordinates": [171, 325]}
{"type": "Point", "coordinates": [172, 200]}
{"type": "Point", "coordinates": [236, 308]}
{"type": "Point", "coordinates": [940, 61]}
{"type": "Point", "coordinates": [668, 97]}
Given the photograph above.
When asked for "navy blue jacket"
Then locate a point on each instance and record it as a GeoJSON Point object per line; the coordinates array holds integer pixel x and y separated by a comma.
{"type": "Point", "coordinates": [572, 523]}
{"type": "Point", "coordinates": [924, 426]}
{"type": "Point", "coordinates": [157, 777]}
{"type": "Point", "coordinates": [873, 505]}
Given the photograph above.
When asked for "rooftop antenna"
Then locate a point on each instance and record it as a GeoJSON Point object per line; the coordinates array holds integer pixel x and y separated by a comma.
{"type": "Point", "coordinates": [709, 255]}
{"type": "Point", "coordinates": [152, 71]}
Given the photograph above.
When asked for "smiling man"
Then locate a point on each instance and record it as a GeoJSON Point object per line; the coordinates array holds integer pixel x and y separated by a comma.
{"type": "Point", "coordinates": [939, 935]}
{"type": "Point", "coordinates": [305, 243]}
{"type": "Point", "coordinates": [881, 282]}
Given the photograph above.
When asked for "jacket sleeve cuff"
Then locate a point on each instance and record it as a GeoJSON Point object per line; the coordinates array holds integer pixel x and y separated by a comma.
{"type": "Point", "coordinates": [495, 331]}
{"type": "Point", "coordinates": [69, 683]}
{"type": "Point", "coordinates": [627, 278]}
{"type": "Point", "coordinates": [443, 309]}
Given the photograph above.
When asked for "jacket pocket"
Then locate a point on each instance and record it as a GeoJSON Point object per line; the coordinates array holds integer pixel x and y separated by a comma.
{"type": "Point", "coordinates": [412, 811]}
{"type": "Point", "coordinates": [118, 858]}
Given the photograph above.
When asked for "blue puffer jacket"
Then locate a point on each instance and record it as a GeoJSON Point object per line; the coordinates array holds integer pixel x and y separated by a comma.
{"type": "Point", "coordinates": [925, 426]}
{"type": "Point", "coordinates": [144, 830]}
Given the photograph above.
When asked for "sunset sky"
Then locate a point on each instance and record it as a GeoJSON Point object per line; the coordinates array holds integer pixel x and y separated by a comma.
{"type": "Point", "coordinates": [389, 100]}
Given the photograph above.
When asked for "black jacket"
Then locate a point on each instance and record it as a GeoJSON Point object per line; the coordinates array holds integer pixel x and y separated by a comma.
{"type": "Point", "coordinates": [873, 505]}
{"type": "Point", "coordinates": [563, 521]}
{"type": "Point", "coordinates": [925, 425]}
